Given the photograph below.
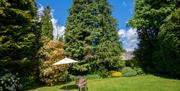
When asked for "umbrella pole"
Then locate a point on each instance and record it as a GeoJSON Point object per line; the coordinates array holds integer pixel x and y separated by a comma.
{"type": "Point", "coordinates": [66, 79]}
{"type": "Point", "coordinates": [65, 61]}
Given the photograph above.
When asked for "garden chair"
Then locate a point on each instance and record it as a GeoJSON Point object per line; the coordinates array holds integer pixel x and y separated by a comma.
{"type": "Point", "coordinates": [82, 84]}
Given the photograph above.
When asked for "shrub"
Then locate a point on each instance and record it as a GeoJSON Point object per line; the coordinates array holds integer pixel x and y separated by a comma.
{"type": "Point", "coordinates": [116, 74]}
{"type": "Point", "coordinates": [50, 74]}
{"type": "Point", "coordinates": [127, 72]}
{"type": "Point", "coordinates": [93, 76]}
{"type": "Point", "coordinates": [51, 52]}
{"type": "Point", "coordinates": [89, 76]}
{"type": "Point", "coordinates": [135, 66]}
{"type": "Point", "coordinates": [102, 72]}
{"type": "Point", "coordinates": [29, 82]}
{"type": "Point", "coordinates": [72, 77]}
{"type": "Point", "coordinates": [139, 70]}
{"type": "Point", "coordinates": [10, 82]}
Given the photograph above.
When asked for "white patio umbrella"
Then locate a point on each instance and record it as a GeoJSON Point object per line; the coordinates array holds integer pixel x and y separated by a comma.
{"type": "Point", "coordinates": [65, 61]}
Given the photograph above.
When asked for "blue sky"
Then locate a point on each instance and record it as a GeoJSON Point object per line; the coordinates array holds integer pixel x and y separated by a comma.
{"type": "Point", "coordinates": [122, 10]}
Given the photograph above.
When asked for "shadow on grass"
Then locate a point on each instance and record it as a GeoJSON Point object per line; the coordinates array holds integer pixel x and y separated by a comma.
{"type": "Point", "coordinates": [32, 87]}
{"type": "Point", "coordinates": [69, 87]}
{"type": "Point", "coordinates": [167, 76]}
{"type": "Point", "coordinates": [164, 75]}
{"type": "Point", "coordinates": [43, 85]}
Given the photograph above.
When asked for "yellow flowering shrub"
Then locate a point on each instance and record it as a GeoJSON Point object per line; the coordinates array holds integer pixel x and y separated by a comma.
{"type": "Point", "coordinates": [116, 74]}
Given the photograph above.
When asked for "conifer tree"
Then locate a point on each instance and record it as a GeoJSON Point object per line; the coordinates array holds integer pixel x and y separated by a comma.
{"type": "Point", "coordinates": [91, 36]}
{"type": "Point", "coordinates": [150, 19]}
{"type": "Point", "coordinates": [108, 48]}
{"type": "Point", "coordinates": [47, 27]}
{"type": "Point", "coordinates": [18, 35]}
{"type": "Point", "coordinates": [168, 56]}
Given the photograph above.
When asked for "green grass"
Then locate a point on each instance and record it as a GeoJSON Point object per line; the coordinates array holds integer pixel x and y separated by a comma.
{"type": "Point", "coordinates": [137, 83]}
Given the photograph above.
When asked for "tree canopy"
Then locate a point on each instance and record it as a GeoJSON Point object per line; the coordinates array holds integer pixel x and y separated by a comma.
{"type": "Point", "coordinates": [91, 36]}
{"type": "Point", "coordinates": [151, 19]}
{"type": "Point", "coordinates": [19, 34]}
{"type": "Point", "coordinates": [47, 27]}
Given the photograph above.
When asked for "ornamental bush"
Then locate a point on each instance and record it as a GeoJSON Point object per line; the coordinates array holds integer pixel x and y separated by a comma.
{"type": "Point", "coordinates": [116, 74]}
{"type": "Point", "coordinates": [127, 72]}
{"type": "Point", "coordinates": [51, 52]}
{"type": "Point", "coordinates": [10, 82]}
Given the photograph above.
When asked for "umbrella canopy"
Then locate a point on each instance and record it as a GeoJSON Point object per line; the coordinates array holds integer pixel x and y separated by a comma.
{"type": "Point", "coordinates": [65, 61]}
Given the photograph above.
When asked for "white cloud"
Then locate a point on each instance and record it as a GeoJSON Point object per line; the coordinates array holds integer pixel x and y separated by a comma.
{"type": "Point", "coordinates": [128, 38]}
{"type": "Point", "coordinates": [58, 31]}
{"type": "Point", "coordinates": [40, 11]}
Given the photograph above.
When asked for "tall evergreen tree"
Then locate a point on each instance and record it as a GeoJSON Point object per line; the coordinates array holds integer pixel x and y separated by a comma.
{"type": "Point", "coordinates": [91, 36]}
{"type": "Point", "coordinates": [47, 27]}
{"type": "Point", "coordinates": [108, 48]}
{"type": "Point", "coordinates": [18, 35]}
{"type": "Point", "coordinates": [168, 56]}
{"type": "Point", "coordinates": [149, 16]}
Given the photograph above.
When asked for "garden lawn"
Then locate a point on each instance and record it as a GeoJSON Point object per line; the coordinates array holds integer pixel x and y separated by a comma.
{"type": "Point", "coordinates": [137, 83]}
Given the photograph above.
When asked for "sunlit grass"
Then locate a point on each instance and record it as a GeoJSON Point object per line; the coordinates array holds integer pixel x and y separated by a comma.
{"type": "Point", "coordinates": [138, 83]}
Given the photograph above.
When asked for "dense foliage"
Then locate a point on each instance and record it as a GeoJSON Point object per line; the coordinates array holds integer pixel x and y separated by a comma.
{"type": "Point", "coordinates": [128, 71]}
{"type": "Point", "coordinates": [168, 55]}
{"type": "Point", "coordinates": [155, 52]}
{"type": "Point", "coordinates": [51, 52]}
{"type": "Point", "coordinates": [134, 64]}
{"type": "Point", "coordinates": [91, 37]}
{"type": "Point", "coordinates": [10, 82]}
{"type": "Point", "coordinates": [19, 36]}
{"type": "Point", "coordinates": [20, 40]}
{"type": "Point", "coordinates": [47, 27]}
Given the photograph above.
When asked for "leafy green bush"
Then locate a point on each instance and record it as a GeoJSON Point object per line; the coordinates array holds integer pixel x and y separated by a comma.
{"type": "Point", "coordinates": [29, 82]}
{"type": "Point", "coordinates": [10, 82]}
{"type": "Point", "coordinates": [135, 66]}
{"type": "Point", "coordinates": [139, 70]}
{"type": "Point", "coordinates": [127, 72]}
{"type": "Point", "coordinates": [93, 76]}
{"type": "Point", "coordinates": [89, 76]}
{"type": "Point", "coordinates": [72, 77]}
{"type": "Point", "coordinates": [103, 73]}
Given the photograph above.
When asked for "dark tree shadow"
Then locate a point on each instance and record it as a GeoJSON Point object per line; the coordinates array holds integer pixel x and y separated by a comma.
{"type": "Point", "coordinates": [69, 87]}
{"type": "Point", "coordinates": [167, 76]}
{"type": "Point", "coordinates": [163, 75]}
